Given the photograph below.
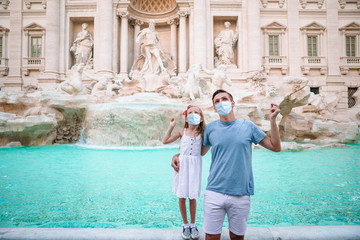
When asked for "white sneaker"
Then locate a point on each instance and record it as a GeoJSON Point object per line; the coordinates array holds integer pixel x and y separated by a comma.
{"type": "Point", "coordinates": [186, 233]}
{"type": "Point", "coordinates": [194, 232]}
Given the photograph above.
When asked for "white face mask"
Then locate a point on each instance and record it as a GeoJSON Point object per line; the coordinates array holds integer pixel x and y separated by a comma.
{"type": "Point", "coordinates": [223, 108]}
{"type": "Point", "coordinates": [193, 119]}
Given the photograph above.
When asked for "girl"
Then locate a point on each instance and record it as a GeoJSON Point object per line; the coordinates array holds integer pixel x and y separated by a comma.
{"type": "Point", "coordinates": [187, 182]}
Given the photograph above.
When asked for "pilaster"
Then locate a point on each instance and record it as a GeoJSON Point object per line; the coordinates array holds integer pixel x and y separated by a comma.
{"type": "Point", "coordinates": [14, 80]}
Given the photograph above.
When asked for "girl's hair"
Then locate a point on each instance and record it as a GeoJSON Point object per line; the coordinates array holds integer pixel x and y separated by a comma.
{"type": "Point", "coordinates": [202, 125]}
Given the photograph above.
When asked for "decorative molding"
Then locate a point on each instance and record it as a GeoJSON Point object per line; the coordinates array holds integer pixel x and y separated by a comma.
{"type": "Point", "coordinates": [264, 3]}
{"type": "Point", "coordinates": [280, 2]}
{"type": "Point", "coordinates": [351, 27]}
{"type": "Point", "coordinates": [314, 26]}
{"type": "Point", "coordinates": [275, 26]}
{"type": "Point", "coordinates": [34, 28]}
{"type": "Point", "coordinates": [29, 2]}
{"type": "Point", "coordinates": [303, 3]}
{"type": "Point", "coordinates": [5, 3]}
{"type": "Point", "coordinates": [320, 4]}
{"type": "Point", "coordinates": [342, 4]}
{"type": "Point", "coordinates": [3, 31]}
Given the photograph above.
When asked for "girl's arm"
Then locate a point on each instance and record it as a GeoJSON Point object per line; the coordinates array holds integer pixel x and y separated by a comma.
{"type": "Point", "coordinates": [168, 138]}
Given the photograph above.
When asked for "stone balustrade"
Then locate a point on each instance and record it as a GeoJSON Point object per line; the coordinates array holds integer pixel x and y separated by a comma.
{"type": "Point", "coordinates": [33, 64]}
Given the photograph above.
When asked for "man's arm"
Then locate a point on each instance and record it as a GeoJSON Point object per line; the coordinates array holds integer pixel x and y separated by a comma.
{"type": "Point", "coordinates": [273, 143]}
{"type": "Point", "coordinates": [204, 149]}
{"type": "Point", "coordinates": [175, 163]}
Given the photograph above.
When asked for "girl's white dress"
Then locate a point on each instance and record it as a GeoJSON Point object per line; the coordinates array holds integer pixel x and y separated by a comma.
{"type": "Point", "coordinates": [187, 182]}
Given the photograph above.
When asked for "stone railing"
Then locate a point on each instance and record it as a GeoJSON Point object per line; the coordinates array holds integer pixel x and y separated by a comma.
{"type": "Point", "coordinates": [347, 63]}
{"type": "Point", "coordinates": [275, 62]}
{"type": "Point", "coordinates": [33, 64]}
{"type": "Point", "coordinates": [3, 62]}
{"type": "Point", "coordinates": [309, 63]}
{"type": "Point", "coordinates": [4, 69]}
{"type": "Point", "coordinates": [350, 61]}
{"type": "Point", "coordinates": [314, 60]}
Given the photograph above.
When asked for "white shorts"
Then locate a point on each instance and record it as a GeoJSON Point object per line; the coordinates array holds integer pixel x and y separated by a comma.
{"type": "Point", "coordinates": [216, 205]}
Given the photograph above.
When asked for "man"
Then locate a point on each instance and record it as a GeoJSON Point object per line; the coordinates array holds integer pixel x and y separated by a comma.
{"type": "Point", "coordinates": [230, 181]}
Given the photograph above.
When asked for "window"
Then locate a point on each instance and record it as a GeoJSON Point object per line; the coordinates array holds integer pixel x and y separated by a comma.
{"type": "Point", "coordinates": [350, 46]}
{"type": "Point", "coordinates": [351, 99]}
{"type": "Point", "coordinates": [1, 47]}
{"type": "Point", "coordinates": [312, 46]}
{"type": "Point", "coordinates": [273, 45]}
{"type": "Point", "coordinates": [315, 90]}
{"type": "Point", "coordinates": [36, 47]}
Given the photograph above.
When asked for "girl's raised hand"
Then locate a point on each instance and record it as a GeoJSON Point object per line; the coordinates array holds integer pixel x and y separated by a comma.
{"type": "Point", "coordinates": [172, 122]}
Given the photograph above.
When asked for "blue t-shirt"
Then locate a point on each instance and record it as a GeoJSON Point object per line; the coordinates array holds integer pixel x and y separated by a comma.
{"type": "Point", "coordinates": [231, 162]}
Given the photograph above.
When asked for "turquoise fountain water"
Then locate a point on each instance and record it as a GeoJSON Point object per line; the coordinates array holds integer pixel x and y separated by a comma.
{"type": "Point", "coordinates": [73, 186]}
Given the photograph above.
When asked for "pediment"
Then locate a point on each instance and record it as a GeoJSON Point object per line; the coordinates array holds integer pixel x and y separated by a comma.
{"type": "Point", "coordinates": [34, 27]}
{"type": "Point", "coordinates": [274, 25]}
{"type": "Point", "coordinates": [351, 26]}
{"type": "Point", "coordinates": [313, 26]}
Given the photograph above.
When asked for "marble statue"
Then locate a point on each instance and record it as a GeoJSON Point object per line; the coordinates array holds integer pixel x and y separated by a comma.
{"type": "Point", "coordinates": [194, 84]}
{"type": "Point", "coordinates": [219, 77]}
{"type": "Point", "coordinates": [73, 85]}
{"type": "Point", "coordinates": [224, 45]}
{"type": "Point", "coordinates": [82, 46]}
{"type": "Point", "coordinates": [105, 84]}
{"type": "Point", "coordinates": [148, 40]}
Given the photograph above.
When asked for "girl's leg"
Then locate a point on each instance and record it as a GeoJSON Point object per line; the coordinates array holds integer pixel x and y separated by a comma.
{"type": "Point", "coordinates": [182, 207]}
{"type": "Point", "coordinates": [192, 210]}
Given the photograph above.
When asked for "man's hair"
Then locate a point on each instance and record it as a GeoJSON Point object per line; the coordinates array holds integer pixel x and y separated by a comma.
{"type": "Point", "coordinates": [221, 91]}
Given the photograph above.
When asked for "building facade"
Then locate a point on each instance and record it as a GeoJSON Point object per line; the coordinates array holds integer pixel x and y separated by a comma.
{"type": "Point", "coordinates": [318, 39]}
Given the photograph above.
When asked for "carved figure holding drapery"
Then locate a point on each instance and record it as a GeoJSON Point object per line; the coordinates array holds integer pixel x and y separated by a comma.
{"type": "Point", "coordinates": [224, 46]}
{"type": "Point", "coordinates": [82, 46]}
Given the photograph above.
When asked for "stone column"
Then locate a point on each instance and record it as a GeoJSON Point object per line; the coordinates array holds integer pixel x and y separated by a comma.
{"type": "Point", "coordinates": [115, 43]}
{"type": "Point", "coordinates": [13, 81]}
{"type": "Point", "coordinates": [137, 24]}
{"type": "Point", "coordinates": [103, 36]}
{"type": "Point", "coordinates": [182, 42]}
{"type": "Point", "coordinates": [173, 23]}
{"type": "Point", "coordinates": [124, 43]}
{"type": "Point", "coordinates": [62, 40]}
{"type": "Point", "coordinates": [200, 27]}
{"type": "Point", "coordinates": [293, 42]}
{"type": "Point", "coordinates": [52, 46]}
{"type": "Point", "coordinates": [254, 35]}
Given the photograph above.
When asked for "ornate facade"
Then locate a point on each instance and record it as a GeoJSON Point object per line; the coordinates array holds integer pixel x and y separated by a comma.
{"type": "Point", "coordinates": [317, 39]}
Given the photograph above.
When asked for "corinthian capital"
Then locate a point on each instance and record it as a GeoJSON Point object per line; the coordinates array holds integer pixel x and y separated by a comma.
{"type": "Point", "coordinates": [123, 14]}
{"type": "Point", "coordinates": [173, 21]}
{"type": "Point", "coordinates": [183, 13]}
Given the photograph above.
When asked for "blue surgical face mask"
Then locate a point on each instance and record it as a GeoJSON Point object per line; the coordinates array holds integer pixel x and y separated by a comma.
{"type": "Point", "coordinates": [223, 108]}
{"type": "Point", "coordinates": [193, 119]}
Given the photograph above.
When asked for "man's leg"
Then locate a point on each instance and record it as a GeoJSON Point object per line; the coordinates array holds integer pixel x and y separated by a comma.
{"type": "Point", "coordinates": [238, 213]}
{"type": "Point", "coordinates": [214, 214]}
{"type": "Point", "coordinates": [212, 236]}
{"type": "Point", "coordinates": [235, 237]}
